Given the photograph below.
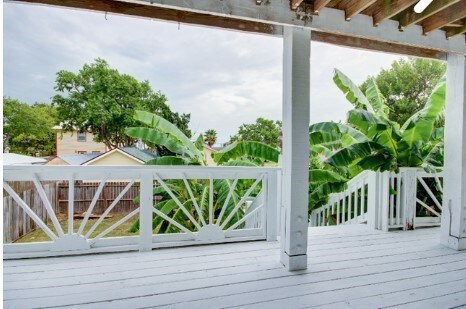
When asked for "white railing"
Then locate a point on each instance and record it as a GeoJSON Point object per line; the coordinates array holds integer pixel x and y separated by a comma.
{"type": "Point", "coordinates": [347, 207]}
{"type": "Point", "coordinates": [207, 205]}
{"type": "Point", "coordinates": [385, 200]}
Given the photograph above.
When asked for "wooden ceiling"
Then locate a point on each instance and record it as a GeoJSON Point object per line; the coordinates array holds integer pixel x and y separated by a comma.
{"type": "Point", "coordinates": [447, 15]}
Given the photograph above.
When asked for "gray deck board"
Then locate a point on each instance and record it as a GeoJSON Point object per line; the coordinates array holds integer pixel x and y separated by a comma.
{"type": "Point", "coordinates": [348, 267]}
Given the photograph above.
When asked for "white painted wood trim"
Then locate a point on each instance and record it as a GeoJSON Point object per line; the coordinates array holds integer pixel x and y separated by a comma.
{"type": "Point", "coordinates": [296, 109]}
{"type": "Point", "coordinates": [454, 201]}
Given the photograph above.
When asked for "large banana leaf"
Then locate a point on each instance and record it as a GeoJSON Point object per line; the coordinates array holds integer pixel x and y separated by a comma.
{"type": "Point", "coordinates": [348, 155]}
{"type": "Point", "coordinates": [376, 98]}
{"type": "Point", "coordinates": [319, 195]}
{"type": "Point", "coordinates": [240, 162]}
{"type": "Point", "coordinates": [165, 126]}
{"type": "Point", "coordinates": [167, 160]}
{"type": "Point", "coordinates": [325, 176]}
{"type": "Point", "coordinates": [159, 138]}
{"type": "Point", "coordinates": [241, 149]}
{"type": "Point", "coordinates": [327, 137]}
{"type": "Point", "coordinates": [418, 128]}
{"type": "Point", "coordinates": [364, 120]}
{"type": "Point", "coordinates": [352, 92]}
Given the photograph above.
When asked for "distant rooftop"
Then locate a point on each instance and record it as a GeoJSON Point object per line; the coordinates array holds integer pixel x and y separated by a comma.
{"type": "Point", "coordinates": [18, 159]}
{"type": "Point", "coordinates": [143, 155]}
{"type": "Point", "coordinates": [78, 159]}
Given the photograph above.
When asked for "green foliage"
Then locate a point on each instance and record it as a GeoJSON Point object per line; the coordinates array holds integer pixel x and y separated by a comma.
{"type": "Point", "coordinates": [210, 137]}
{"type": "Point", "coordinates": [27, 128]}
{"type": "Point", "coordinates": [381, 144]}
{"type": "Point", "coordinates": [407, 86]}
{"type": "Point", "coordinates": [159, 131]}
{"type": "Point", "coordinates": [103, 100]}
{"type": "Point", "coordinates": [371, 141]}
{"type": "Point", "coordinates": [250, 149]}
{"type": "Point", "coordinates": [263, 131]}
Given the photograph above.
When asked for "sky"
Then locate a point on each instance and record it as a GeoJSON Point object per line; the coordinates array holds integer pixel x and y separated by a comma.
{"type": "Point", "coordinates": [222, 78]}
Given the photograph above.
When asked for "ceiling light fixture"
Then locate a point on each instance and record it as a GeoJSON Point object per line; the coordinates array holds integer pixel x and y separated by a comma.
{"type": "Point", "coordinates": [421, 5]}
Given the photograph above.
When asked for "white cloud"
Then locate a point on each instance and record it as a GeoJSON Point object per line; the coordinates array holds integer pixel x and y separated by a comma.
{"type": "Point", "coordinates": [223, 78]}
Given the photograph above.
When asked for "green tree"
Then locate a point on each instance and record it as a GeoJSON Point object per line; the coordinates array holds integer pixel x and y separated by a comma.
{"type": "Point", "coordinates": [210, 137]}
{"type": "Point", "coordinates": [407, 86]}
{"type": "Point", "coordinates": [263, 130]}
{"type": "Point", "coordinates": [100, 99]}
{"type": "Point", "coordinates": [27, 129]}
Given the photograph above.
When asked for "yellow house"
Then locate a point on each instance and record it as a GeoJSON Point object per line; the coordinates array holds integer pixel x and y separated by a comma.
{"type": "Point", "coordinates": [117, 156]}
{"type": "Point", "coordinates": [75, 142]}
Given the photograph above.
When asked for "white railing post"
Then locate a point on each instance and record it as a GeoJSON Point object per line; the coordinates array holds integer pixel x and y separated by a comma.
{"type": "Point", "coordinates": [384, 195]}
{"type": "Point", "coordinates": [409, 184]}
{"type": "Point", "coordinates": [145, 212]}
{"type": "Point", "coordinates": [372, 200]}
{"type": "Point", "coordinates": [272, 205]}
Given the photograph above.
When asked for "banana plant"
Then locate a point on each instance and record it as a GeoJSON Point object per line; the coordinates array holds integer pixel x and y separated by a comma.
{"type": "Point", "coordinates": [370, 141]}
{"type": "Point", "coordinates": [159, 131]}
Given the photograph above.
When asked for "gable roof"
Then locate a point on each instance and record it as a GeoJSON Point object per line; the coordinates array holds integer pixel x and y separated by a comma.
{"type": "Point", "coordinates": [141, 156]}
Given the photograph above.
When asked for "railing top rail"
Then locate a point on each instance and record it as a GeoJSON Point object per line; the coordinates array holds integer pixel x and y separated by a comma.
{"type": "Point", "coordinates": [25, 172]}
{"type": "Point", "coordinates": [359, 177]}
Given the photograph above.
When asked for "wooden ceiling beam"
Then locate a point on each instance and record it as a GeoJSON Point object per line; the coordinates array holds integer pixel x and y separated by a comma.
{"type": "Point", "coordinates": [320, 4]}
{"type": "Point", "coordinates": [145, 11]}
{"type": "Point", "coordinates": [444, 17]}
{"type": "Point", "coordinates": [245, 15]}
{"type": "Point", "coordinates": [365, 44]}
{"type": "Point", "coordinates": [355, 7]}
{"type": "Point", "coordinates": [455, 31]}
{"type": "Point", "coordinates": [388, 8]}
{"type": "Point", "coordinates": [410, 17]}
{"type": "Point", "coordinates": [295, 4]}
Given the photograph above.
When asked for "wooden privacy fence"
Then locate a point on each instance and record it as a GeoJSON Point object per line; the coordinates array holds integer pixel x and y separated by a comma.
{"type": "Point", "coordinates": [16, 223]}
{"type": "Point", "coordinates": [84, 192]}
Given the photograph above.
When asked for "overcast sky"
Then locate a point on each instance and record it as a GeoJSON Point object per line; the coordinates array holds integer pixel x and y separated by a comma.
{"type": "Point", "coordinates": [223, 78]}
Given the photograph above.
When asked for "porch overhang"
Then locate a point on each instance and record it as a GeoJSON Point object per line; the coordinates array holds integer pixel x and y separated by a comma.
{"type": "Point", "coordinates": [331, 25]}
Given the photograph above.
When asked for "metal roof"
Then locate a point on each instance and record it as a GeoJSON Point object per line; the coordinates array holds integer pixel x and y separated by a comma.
{"type": "Point", "coordinates": [17, 159]}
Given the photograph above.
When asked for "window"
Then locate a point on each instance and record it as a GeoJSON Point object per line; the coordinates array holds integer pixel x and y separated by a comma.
{"type": "Point", "coordinates": [81, 136]}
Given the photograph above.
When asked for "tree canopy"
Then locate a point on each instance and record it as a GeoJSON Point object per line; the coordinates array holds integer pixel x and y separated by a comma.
{"type": "Point", "coordinates": [101, 99]}
{"type": "Point", "coordinates": [263, 130]}
{"type": "Point", "coordinates": [27, 129]}
{"type": "Point", "coordinates": [407, 85]}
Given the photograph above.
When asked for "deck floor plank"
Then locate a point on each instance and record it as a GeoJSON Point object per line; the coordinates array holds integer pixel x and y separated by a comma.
{"type": "Point", "coordinates": [349, 267]}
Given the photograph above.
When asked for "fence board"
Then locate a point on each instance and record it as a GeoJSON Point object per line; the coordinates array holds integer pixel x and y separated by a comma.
{"type": "Point", "coordinates": [84, 193]}
{"type": "Point", "coordinates": [16, 223]}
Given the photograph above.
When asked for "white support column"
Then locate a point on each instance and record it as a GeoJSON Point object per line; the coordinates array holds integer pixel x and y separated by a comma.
{"type": "Point", "coordinates": [296, 99]}
{"type": "Point", "coordinates": [454, 200]}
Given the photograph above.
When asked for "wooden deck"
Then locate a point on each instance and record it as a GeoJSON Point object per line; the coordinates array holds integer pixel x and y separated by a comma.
{"type": "Point", "coordinates": [349, 267]}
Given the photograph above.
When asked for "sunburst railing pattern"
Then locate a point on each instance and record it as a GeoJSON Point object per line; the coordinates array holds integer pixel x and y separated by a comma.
{"type": "Point", "coordinates": [196, 205]}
